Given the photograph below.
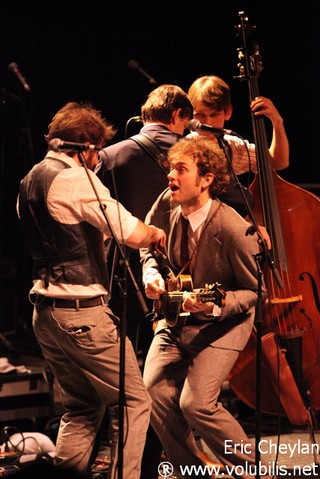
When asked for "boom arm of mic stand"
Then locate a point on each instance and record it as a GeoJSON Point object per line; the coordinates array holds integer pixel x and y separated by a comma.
{"type": "Point", "coordinates": [255, 228]}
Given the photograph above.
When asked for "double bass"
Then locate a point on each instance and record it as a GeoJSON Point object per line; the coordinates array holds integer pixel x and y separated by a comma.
{"type": "Point", "coordinates": [290, 332]}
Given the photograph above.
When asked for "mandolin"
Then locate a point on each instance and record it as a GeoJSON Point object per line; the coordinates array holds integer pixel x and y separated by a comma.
{"type": "Point", "coordinates": [178, 288]}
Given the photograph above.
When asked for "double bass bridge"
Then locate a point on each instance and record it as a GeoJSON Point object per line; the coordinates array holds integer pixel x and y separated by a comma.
{"type": "Point", "coordinates": [293, 332]}
{"type": "Point", "coordinates": [292, 299]}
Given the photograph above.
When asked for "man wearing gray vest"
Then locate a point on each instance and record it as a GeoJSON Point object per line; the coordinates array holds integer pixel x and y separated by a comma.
{"type": "Point", "coordinates": [61, 205]}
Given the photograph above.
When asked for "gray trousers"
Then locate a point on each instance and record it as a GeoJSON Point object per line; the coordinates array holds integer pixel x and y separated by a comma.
{"type": "Point", "coordinates": [184, 373]}
{"type": "Point", "coordinates": [86, 364]}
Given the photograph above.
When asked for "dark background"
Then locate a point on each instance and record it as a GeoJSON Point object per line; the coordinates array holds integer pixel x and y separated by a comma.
{"type": "Point", "coordinates": [74, 51]}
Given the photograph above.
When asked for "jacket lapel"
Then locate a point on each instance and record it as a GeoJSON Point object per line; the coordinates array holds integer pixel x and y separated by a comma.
{"type": "Point", "coordinates": [209, 247]}
{"type": "Point", "coordinates": [172, 235]}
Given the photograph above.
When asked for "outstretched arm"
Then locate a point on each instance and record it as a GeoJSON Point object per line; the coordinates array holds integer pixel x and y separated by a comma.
{"type": "Point", "coordinates": [145, 235]}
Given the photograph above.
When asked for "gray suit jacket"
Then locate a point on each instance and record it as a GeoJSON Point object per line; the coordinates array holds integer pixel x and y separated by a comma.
{"type": "Point", "coordinates": [225, 255]}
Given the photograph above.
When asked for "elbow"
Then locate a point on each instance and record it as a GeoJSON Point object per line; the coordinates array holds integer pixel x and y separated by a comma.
{"type": "Point", "coordinates": [141, 237]}
{"type": "Point", "coordinates": [282, 166]}
{"type": "Point", "coordinates": [279, 164]}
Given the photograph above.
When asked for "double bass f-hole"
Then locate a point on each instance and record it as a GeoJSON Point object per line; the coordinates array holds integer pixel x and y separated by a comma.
{"type": "Point", "coordinates": [290, 215]}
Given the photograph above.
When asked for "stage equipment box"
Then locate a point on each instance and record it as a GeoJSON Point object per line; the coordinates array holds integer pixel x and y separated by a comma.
{"type": "Point", "coordinates": [26, 395]}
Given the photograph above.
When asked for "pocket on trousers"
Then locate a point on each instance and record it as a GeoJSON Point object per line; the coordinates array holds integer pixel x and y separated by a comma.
{"type": "Point", "coordinates": [86, 326]}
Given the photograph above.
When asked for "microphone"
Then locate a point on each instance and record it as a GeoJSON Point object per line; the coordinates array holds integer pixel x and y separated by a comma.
{"type": "Point", "coordinates": [136, 118]}
{"type": "Point", "coordinates": [135, 66]}
{"type": "Point", "coordinates": [195, 125]}
{"type": "Point", "coordinates": [57, 145]}
{"type": "Point", "coordinates": [13, 67]}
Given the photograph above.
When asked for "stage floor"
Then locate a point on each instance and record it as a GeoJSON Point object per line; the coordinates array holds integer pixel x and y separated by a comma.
{"type": "Point", "coordinates": [297, 455]}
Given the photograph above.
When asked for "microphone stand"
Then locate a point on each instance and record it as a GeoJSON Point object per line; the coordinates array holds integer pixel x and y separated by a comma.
{"type": "Point", "coordinates": [255, 228]}
{"type": "Point", "coordinates": [259, 306]}
{"type": "Point", "coordinates": [122, 323]}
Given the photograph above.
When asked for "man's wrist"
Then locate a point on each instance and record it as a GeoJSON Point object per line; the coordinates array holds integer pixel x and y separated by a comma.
{"type": "Point", "coordinates": [214, 312]}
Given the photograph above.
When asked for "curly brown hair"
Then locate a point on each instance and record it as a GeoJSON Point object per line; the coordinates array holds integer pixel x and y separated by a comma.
{"type": "Point", "coordinates": [208, 157]}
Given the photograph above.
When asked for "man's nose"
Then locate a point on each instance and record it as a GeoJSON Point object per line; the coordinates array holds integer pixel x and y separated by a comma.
{"type": "Point", "coordinates": [170, 175]}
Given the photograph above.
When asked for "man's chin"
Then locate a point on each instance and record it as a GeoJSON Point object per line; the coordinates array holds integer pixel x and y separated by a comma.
{"type": "Point", "coordinates": [173, 199]}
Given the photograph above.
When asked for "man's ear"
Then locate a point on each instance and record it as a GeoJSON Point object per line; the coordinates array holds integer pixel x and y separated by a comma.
{"type": "Point", "coordinates": [176, 116]}
{"type": "Point", "coordinates": [208, 179]}
{"type": "Point", "coordinates": [228, 113]}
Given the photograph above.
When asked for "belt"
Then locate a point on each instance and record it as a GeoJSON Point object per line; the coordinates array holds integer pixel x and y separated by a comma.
{"type": "Point", "coordinates": [39, 299]}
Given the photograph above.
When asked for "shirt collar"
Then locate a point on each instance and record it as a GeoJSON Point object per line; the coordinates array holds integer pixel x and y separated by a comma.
{"type": "Point", "coordinates": [198, 217]}
{"type": "Point", "coordinates": [56, 155]}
